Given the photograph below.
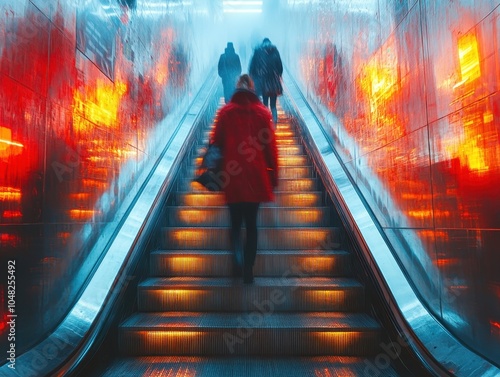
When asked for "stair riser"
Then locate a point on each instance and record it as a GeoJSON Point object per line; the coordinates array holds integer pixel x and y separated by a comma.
{"type": "Point", "coordinates": [172, 264]}
{"type": "Point", "coordinates": [268, 238]}
{"type": "Point", "coordinates": [283, 150]}
{"type": "Point", "coordinates": [236, 298]}
{"type": "Point", "coordinates": [310, 199]}
{"type": "Point", "coordinates": [268, 216]}
{"type": "Point", "coordinates": [249, 340]}
{"type": "Point", "coordinates": [285, 172]}
{"type": "Point", "coordinates": [294, 185]}
{"type": "Point", "coordinates": [283, 161]}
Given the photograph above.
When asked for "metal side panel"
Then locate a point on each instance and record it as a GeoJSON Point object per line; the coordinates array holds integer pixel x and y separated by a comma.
{"type": "Point", "coordinates": [61, 350]}
{"type": "Point", "coordinates": [441, 351]}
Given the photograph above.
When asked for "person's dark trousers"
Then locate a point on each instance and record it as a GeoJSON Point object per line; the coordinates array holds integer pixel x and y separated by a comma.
{"type": "Point", "coordinates": [271, 100]}
{"type": "Point", "coordinates": [247, 212]}
{"type": "Point", "coordinates": [228, 93]}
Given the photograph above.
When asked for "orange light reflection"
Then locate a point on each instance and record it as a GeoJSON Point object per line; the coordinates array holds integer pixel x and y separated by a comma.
{"type": "Point", "coordinates": [10, 194]}
{"type": "Point", "coordinates": [184, 264]}
{"type": "Point", "coordinates": [305, 216]}
{"type": "Point", "coordinates": [299, 200]}
{"type": "Point", "coordinates": [82, 214]}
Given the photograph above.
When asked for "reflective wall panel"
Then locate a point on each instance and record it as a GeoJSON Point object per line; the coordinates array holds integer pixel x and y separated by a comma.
{"type": "Point", "coordinates": [89, 92]}
{"type": "Point", "coordinates": [410, 93]}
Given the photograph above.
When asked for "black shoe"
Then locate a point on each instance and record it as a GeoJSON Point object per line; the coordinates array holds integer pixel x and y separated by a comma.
{"type": "Point", "coordinates": [248, 275]}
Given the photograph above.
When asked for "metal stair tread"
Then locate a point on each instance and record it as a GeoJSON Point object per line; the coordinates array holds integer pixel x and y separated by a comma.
{"type": "Point", "coordinates": [261, 229]}
{"type": "Point", "coordinates": [277, 192]}
{"type": "Point", "coordinates": [305, 252]}
{"type": "Point", "coordinates": [197, 321]}
{"type": "Point", "coordinates": [247, 366]}
{"type": "Point", "coordinates": [178, 282]}
{"type": "Point", "coordinates": [270, 207]}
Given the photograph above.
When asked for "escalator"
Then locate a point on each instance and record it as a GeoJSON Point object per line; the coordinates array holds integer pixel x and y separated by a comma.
{"type": "Point", "coordinates": [329, 297]}
{"type": "Point", "coordinates": [307, 313]}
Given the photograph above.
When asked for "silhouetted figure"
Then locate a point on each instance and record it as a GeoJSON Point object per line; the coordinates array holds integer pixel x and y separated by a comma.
{"type": "Point", "coordinates": [229, 68]}
{"type": "Point", "coordinates": [245, 135]}
{"type": "Point", "coordinates": [266, 69]}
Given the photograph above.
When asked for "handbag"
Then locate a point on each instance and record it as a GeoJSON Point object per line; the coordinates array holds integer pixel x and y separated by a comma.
{"type": "Point", "coordinates": [212, 165]}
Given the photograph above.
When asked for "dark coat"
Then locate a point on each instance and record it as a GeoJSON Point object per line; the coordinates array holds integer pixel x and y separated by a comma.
{"type": "Point", "coordinates": [245, 134]}
{"type": "Point", "coordinates": [229, 67]}
{"type": "Point", "coordinates": [266, 70]}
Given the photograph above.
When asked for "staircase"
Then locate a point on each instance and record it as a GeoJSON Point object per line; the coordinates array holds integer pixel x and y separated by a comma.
{"type": "Point", "coordinates": [302, 316]}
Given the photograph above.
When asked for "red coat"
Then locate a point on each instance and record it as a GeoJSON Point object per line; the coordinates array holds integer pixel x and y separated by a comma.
{"type": "Point", "coordinates": [244, 132]}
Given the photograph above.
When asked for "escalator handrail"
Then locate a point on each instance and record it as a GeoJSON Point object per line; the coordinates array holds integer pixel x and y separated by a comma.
{"type": "Point", "coordinates": [62, 350]}
{"type": "Point", "coordinates": [438, 349]}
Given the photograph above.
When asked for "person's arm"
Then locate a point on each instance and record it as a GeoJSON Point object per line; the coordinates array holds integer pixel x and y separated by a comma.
{"type": "Point", "coordinates": [279, 64]}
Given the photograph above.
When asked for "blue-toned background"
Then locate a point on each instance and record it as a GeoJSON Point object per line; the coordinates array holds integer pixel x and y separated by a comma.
{"type": "Point", "coordinates": [409, 91]}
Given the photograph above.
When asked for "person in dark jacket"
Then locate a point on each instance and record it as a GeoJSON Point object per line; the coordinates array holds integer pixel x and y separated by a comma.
{"type": "Point", "coordinates": [245, 135]}
{"type": "Point", "coordinates": [266, 70]}
{"type": "Point", "coordinates": [229, 69]}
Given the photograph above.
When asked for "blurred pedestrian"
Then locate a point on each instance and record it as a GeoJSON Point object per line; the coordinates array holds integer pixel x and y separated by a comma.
{"type": "Point", "coordinates": [266, 70]}
{"type": "Point", "coordinates": [245, 135]}
{"type": "Point", "coordinates": [229, 69]}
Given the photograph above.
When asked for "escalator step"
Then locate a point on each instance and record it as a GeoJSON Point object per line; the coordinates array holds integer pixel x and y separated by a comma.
{"type": "Point", "coordinates": [175, 366]}
{"type": "Point", "coordinates": [268, 263]}
{"type": "Point", "coordinates": [228, 295]}
{"type": "Point", "coordinates": [268, 216]}
{"type": "Point", "coordinates": [253, 333]}
{"type": "Point", "coordinates": [217, 238]}
{"type": "Point", "coordinates": [285, 199]}
{"type": "Point", "coordinates": [296, 185]}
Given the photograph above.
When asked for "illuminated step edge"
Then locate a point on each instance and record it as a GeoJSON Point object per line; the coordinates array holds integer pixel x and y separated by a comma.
{"type": "Point", "coordinates": [253, 333]}
{"type": "Point", "coordinates": [286, 172]}
{"type": "Point", "coordinates": [282, 150]}
{"type": "Point", "coordinates": [267, 216]}
{"type": "Point", "coordinates": [283, 137]}
{"type": "Point", "coordinates": [296, 185]}
{"type": "Point", "coordinates": [283, 161]}
{"type": "Point", "coordinates": [288, 199]}
{"type": "Point", "coordinates": [217, 238]}
{"type": "Point", "coordinates": [283, 131]}
{"type": "Point", "coordinates": [228, 295]}
{"type": "Point", "coordinates": [313, 263]}
{"type": "Point", "coordinates": [184, 366]}
{"type": "Point", "coordinates": [280, 141]}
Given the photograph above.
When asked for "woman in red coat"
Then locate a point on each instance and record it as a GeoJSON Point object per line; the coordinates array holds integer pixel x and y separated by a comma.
{"type": "Point", "coordinates": [244, 132]}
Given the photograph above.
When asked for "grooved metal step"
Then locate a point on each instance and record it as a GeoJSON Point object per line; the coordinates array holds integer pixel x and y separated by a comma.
{"type": "Point", "coordinates": [283, 161]}
{"type": "Point", "coordinates": [217, 238]}
{"type": "Point", "coordinates": [267, 263]}
{"type": "Point", "coordinates": [320, 366]}
{"type": "Point", "coordinates": [258, 332]}
{"type": "Point", "coordinates": [281, 198]}
{"type": "Point", "coordinates": [267, 216]}
{"type": "Point", "coordinates": [283, 149]}
{"type": "Point", "coordinates": [286, 150]}
{"type": "Point", "coordinates": [296, 185]}
{"type": "Point", "coordinates": [286, 172]}
{"type": "Point", "coordinates": [277, 294]}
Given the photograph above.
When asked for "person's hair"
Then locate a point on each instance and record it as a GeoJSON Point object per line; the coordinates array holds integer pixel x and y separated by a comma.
{"type": "Point", "coordinates": [266, 42]}
{"type": "Point", "coordinates": [245, 82]}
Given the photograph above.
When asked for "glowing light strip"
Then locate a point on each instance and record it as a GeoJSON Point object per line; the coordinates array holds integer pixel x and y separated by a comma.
{"type": "Point", "coordinates": [11, 143]}
{"type": "Point", "coordinates": [242, 10]}
{"type": "Point", "coordinates": [242, 6]}
{"type": "Point", "coordinates": [237, 3]}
